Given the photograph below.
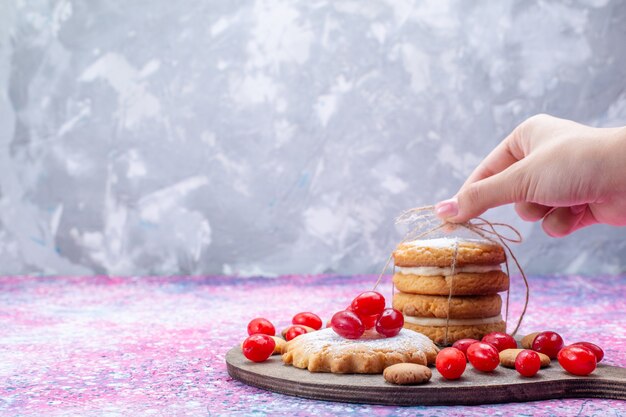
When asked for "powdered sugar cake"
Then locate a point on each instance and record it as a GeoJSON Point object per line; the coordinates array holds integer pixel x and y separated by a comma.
{"type": "Point", "coordinates": [326, 351]}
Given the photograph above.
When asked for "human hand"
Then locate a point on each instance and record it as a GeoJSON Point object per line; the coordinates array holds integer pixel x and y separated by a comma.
{"type": "Point", "coordinates": [565, 173]}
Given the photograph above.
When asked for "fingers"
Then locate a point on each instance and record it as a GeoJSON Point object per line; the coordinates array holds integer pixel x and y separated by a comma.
{"type": "Point", "coordinates": [557, 222]}
{"type": "Point", "coordinates": [476, 198]}
{"type": "Point", "coordinates": [531, 212]}
{"type": "Point", "coordinates": [564, 220]}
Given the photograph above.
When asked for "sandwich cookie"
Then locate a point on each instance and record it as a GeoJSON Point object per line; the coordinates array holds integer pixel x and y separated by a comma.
{"type": "Point", "coordinates": [435, 328]}
{"type": "Point", "coordinates": [463, 283]}
{"type": "Point", "coordinates": [469, 307]}
{"type": "Point", "coordinates": [440, 252]}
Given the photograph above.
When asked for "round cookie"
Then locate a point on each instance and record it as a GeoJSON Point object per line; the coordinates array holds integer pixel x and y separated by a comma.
{"type": "Point", "coordinates": [468, 307]}
{"type": "Point", "coordinates": [508, 356]}
{"type": "Point", "coordinates": [491, 282]}
{"type": "Point", "coordinates": [407, 374]}
{"type": "Point", "coordinates": [438, 333]}
{"type": "Point", "coordinates": [440, 252]}
{"type": "Point", "coordinates": [280, 345]}
{"type": "Point", "coordinates": [527, 341]}
{"type": "Point", "coordinates": [326, 351]}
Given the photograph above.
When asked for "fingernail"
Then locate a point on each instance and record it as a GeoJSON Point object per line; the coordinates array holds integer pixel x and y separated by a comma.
{"type": "Point", "coordinates": [447, 208]}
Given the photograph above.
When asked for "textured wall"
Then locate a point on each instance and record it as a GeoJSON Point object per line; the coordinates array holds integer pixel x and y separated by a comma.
{"type": "Point", "coordinates": [162, 137]}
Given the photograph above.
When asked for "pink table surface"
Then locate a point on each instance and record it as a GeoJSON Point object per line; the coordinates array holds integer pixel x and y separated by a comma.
{"type": "Point", "coordinates": [108, 346]}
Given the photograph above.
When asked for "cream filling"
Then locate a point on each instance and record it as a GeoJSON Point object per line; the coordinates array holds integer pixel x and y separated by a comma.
{"type": "Point", "coordinates": [435, 271]}
{"type": "Point", "coordinates": [430, 321]}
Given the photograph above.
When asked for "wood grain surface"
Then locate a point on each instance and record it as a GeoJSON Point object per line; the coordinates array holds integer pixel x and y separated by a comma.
{"type": "Point", "coordinates": [501, 386]}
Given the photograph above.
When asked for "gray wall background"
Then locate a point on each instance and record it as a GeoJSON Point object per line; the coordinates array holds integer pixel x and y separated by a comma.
{"type": "Point", "coordinates": [271, 137]}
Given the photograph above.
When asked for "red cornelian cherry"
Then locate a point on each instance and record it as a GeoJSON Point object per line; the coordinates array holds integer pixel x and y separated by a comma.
{"type": "Point", "coordinates": [347, 324]}
{"type": "Point", "coordinates": [368, 303]}
{"type": "Point", "coordinates": [597, 350]}
{"type": "Point", "coordinates": [307, 319]}
{"type": "Point", "coordinates": [527, 363]}
{"type": "Point", "coordinates": [390, 322]}
{"type": "Point", "coordinates": [577, 360]}
{"type": "Point", "coordinates": [261, 326]}
{"type": "Point", "coordinates": [258, 347]}
{"type": "Point", "coordinates": [451, 363]}
{"type": "Point", "coordinates": [294, 331]}
{"type": "Point", "coordinates": [369, 322]}
{"type": "Point", "coordinates": [483, 356]}
{"type": "Point", "coordinates": [463, 344]}
{"type": "Point", "coordinates": [500, 341]}
{"type": "Point", "coordinates": [548, 343]}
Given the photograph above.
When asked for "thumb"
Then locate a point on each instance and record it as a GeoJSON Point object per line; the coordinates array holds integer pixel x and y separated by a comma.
{"type": "Point", "coordinates": [474, 199]}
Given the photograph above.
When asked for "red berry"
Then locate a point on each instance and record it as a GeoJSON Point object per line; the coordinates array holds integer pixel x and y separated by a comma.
{"type": "Point", "coordinates": [294, 331]}
{"type": "Point", "coordinates": [258, 347]}
{"type": "Point", "coordinates": [369, 321]}
{"type": "Point", "coordinates": [527, 362]}
{"type": "Point", "coordinates": [261, 326]}
{"type": "Point", "coordinates": [347, 324]}
{"type": "Point", "coordinates": [577, 360]}
{"type": "Point", "coordinates": [368, 303]}
{"type": "Point", "coordinates": [500, 340]}
{"type": "Point", "coordinates": [597, 350]}
{"type": "Point", "coordinates": [483, 356]}
{"type": "Point", "coordinates": [307, 319]}
{"type": "Point", "coordinates": [451, 363]}
{"type": "Point", "coordinates": [548, 343]}
{"type": "Point", "coordinates": [463, 344]}
{"type": "Point", "coordinates": [390, 322]}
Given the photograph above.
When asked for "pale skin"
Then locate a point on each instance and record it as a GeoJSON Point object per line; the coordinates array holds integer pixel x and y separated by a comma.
{"type": "Point", "coordinates": [559, 172]}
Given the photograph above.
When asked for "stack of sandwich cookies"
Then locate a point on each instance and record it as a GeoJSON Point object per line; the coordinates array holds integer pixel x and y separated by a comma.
{"type": "Point", "coordinates": [434, 296]}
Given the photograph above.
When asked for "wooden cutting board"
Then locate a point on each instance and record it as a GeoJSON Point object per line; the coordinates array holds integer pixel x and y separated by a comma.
{"type": "Point", "coordinates": [502, 385]}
